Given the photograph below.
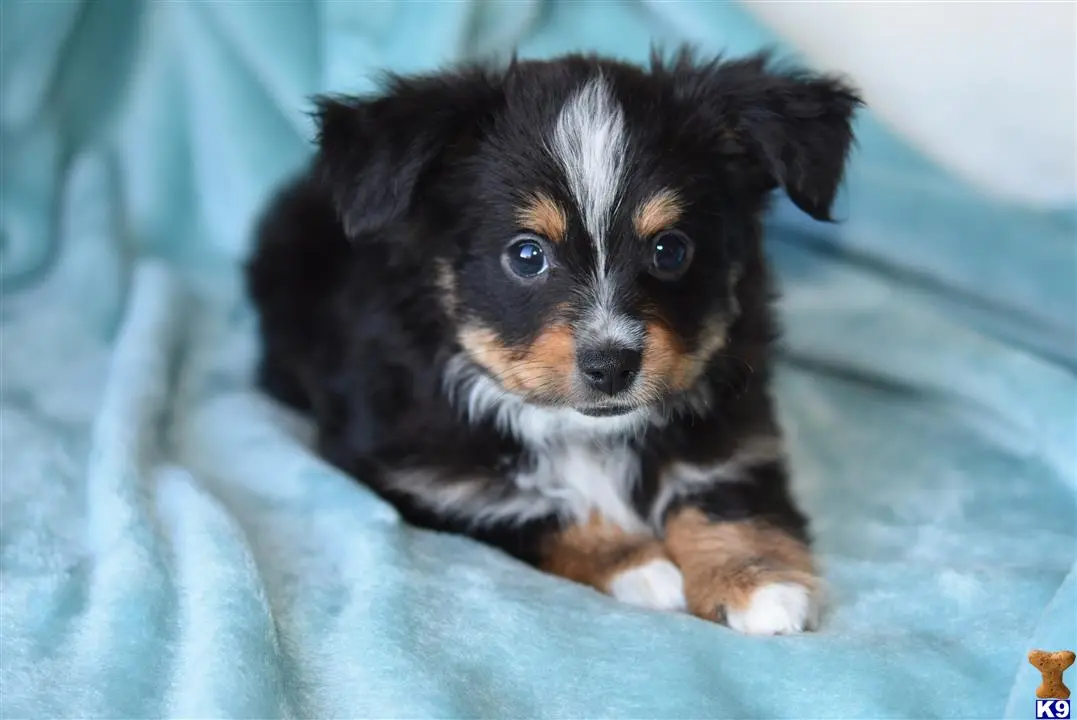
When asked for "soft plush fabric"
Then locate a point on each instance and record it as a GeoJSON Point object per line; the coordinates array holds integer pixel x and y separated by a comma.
{"type": "Point", "coordinates": [171, 547]}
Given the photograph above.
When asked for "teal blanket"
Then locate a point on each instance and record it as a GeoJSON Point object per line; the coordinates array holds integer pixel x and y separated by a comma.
{"type": "Point", "coordinates": [171, 547]}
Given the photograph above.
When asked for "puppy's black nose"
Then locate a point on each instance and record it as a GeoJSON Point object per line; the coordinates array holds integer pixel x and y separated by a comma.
{"type": "Point", "coordinates": [609, 370]}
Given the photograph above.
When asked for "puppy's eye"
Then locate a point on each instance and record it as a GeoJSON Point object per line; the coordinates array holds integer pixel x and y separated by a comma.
{"type": "Point", "coordinates": [525, 257]}
{"type": "Point", "coordinates": [672, 255]}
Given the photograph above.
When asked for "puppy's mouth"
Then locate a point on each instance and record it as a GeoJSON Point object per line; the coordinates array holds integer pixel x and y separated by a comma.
{"type": "Point", "coordinates": [605, 410]}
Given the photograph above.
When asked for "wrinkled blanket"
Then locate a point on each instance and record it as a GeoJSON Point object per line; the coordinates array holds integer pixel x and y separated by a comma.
{"type": "Point", "coordinates": [170, 546]}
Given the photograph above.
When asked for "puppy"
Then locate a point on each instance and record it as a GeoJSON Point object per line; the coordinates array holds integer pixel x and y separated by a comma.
{"type": "Point", "coordinates": [530, 304]}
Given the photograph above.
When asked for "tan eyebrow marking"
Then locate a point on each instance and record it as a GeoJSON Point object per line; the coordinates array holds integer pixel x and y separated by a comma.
{"type": "Point", "coordinates": [660, 211]}
{"type": "Point", "coordinates": [543, 216]}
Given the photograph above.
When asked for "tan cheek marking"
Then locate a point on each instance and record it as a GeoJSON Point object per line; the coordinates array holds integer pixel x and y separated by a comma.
{"type": "Point", "coordinates": [543, 369]}
{"type": "Point", "coordinates": [662, 210]}
{"type": "Point", "coordinates": [543, 216]}
{"type": "Point", "coordinates": [662, 352]}
{"type": "Point", "coordinates": [551, 361]}
{"type": "Point", "coordinates": [725, 562]}
{"type": "Point", "coordinates": [665, 359]}
{"type": "Point", "coordinates": [484, 347]}
{"type": "Point", "coordinates": [595, 552]}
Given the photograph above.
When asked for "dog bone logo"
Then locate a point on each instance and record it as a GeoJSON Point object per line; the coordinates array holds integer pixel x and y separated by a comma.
{"type": "Point", "coordinates": [1051, 665]}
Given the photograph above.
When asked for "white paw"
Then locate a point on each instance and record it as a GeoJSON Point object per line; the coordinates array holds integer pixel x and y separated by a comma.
{"type": "Point", "coordinates": [657, 585]}
{"type": "Point", "coordinates": [776, 609]}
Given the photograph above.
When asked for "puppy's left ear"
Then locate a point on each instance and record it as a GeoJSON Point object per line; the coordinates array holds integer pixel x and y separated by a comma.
{"type": "Point", "coordinates": [800, 126]}
{"type": "Point", "coordinates": [794, 126]}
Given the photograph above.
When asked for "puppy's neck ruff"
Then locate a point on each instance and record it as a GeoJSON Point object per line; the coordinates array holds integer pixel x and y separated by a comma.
{"type": "Point", "coordinates": [480, 398]}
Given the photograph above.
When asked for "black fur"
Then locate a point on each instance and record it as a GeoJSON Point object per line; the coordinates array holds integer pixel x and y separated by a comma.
{"type": "Point", "coordinates": [358, 331]}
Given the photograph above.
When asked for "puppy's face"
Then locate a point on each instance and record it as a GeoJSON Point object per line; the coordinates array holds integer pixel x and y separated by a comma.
{"type": "Point", "coordinates": [585, 223]}
{"type": "Point", "coordinates": [598, 272]}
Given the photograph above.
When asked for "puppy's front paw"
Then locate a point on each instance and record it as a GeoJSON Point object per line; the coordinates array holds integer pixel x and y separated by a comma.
{"type": "Point", "coordinates": [755, 578]}
{"type": "Point", "coordinates": [780, 608]}
{"type": "Point", "coordinates": [634, 569]}
{"type": "Point", "coordinates": [657, 585]}
{"type": "Point", "coordinates": [755, 600]}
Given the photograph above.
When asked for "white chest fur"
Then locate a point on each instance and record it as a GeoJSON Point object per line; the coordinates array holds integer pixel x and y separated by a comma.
{"type": "Point", "coordinates": [580, 463]}
{"type": "Point", "coordinates": [585, 478]}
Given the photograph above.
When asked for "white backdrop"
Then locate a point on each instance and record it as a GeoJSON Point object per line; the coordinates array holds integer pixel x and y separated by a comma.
{"type": "Point", "coordinates": [988, 89]}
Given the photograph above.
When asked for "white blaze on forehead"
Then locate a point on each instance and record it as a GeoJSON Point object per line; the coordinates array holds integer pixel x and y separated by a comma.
{"type": "Point", "coordinates": [590, 144]}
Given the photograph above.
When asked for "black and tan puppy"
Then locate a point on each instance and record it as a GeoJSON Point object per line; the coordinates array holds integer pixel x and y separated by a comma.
{"type": "Point", "coordinates": [530, 304]}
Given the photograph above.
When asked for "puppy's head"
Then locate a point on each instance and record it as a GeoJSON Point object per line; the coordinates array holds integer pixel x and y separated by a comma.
{"type": "Point", "coordinates": [585, 222]}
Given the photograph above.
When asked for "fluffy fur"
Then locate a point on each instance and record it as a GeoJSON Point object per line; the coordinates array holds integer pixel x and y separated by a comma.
{"type": "Point", "coordinates": [608, 417]}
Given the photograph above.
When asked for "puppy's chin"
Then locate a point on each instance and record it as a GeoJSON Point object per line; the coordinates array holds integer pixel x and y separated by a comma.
{"type": "Point", "coordinates": [606, 410]}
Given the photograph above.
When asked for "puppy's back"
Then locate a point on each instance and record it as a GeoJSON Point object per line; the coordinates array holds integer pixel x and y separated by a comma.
{"type": "Point", "coordinates": [298, 261]}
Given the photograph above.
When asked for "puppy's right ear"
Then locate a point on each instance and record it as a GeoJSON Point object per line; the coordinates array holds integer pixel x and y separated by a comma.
{"type": "Point", "coordinates": [374, 152]}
